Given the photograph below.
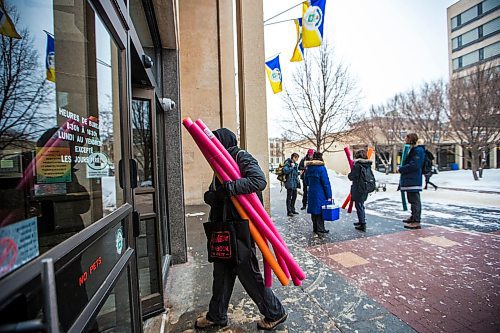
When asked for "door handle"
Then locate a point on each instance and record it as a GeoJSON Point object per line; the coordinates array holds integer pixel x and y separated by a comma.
{"type": "Point", "coordinates": [120, 173]}
{"type": "Point", "coordinates": [136, 227]}
{"type": "Point", "coordinates": [133, 173]}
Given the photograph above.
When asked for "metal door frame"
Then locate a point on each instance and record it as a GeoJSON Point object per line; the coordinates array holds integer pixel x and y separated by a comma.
{"type": "Point", "coordinates": [153, 304]}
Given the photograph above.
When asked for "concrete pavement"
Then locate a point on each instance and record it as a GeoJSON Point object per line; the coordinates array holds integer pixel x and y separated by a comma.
{"type": "Point", "coordinates": [387, 279]}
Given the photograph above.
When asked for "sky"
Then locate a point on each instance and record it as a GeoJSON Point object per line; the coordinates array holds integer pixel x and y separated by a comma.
{"type": "Point", "coordinates": [390, 46]}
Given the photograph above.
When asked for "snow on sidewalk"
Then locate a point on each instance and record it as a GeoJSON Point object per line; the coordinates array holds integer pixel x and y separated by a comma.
{"type": "Point", "coordinates": [461, 179]}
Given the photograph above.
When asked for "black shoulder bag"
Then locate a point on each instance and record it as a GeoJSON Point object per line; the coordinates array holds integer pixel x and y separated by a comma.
{"type": "Point", "coordinates": [227, 241]}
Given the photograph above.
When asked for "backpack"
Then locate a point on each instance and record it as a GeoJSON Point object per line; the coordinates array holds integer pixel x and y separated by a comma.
{"type": "Point", "coordinates": [366, 182]}
{"type": "Point", "coordinates": [427, 168]}
{"type": "Point", "coordinates": [280, 175]}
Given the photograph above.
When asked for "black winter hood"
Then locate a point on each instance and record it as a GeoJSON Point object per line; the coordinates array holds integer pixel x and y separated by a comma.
{"type": "Point", "coordinates": [226, 137]}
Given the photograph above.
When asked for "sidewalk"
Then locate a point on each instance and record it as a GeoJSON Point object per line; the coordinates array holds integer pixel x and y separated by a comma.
{"type": "Point", "coordinates": [385, 280]}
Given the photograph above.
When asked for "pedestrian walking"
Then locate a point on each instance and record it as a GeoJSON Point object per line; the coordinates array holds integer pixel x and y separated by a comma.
{"type": "Point", "coordinates": [319, 193]}
{"type": "Point", "coordinates": [363, 182]}
{"type": "Point", "coordinates": [292, 183]}
{"type": "Point", "coordinates": [411, 180]}
{"type": "Point", "coordinates": [302, 172]}
{"type": "Point", "coordinates": [247, 270]}
{"type": "Point", "coordinates": [428, 169]}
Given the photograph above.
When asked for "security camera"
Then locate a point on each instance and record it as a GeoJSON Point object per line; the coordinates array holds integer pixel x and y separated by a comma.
{"type": "Point", "coordinates": [167, 104]}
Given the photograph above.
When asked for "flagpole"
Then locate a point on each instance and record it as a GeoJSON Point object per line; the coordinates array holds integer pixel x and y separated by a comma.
{"type": "Point", "coordinates": [284, 11]}
{"type": "Point", "coordinates": [279, 22]}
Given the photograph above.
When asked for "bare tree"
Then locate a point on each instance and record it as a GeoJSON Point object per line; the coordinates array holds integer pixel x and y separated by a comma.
{"type": "Point", "coordinates": [23, 90]}
{"type": "Point", "coordinates": [425, 111]}
{"type": "Point", "coordinates": [142, 136]}
{"type": "Point", "coordinates": [382, 129]}
{"type": "Point", "coordinates": [321, 99]}
{"type": "Point", "coordinates": [474, 112]}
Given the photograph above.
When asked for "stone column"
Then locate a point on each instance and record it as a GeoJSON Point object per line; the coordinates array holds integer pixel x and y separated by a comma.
{"type": "Point", "coordinates": [173, 165]}
{"type": "Point", "coordinates": [252, 84]}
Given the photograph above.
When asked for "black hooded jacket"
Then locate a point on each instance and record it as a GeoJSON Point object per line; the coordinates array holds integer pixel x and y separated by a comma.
{"type": "Point", "coordinates": [355, 176]}
{"type": "Point", "coordinates": [253, 179]}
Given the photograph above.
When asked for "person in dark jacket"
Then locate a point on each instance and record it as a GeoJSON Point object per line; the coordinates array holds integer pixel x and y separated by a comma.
{"type": "Point", "coordinates": [411, 180]}
{"type": "Point", "coordinates": [361, 161]}
{"type": "Point", "coordinates": [292, 183]}
{"type": "Point", "coordinates": [224, 274]}
{"type": "Point", "coordinates": [320, 191]}
{"type": "Point", "coordinates": [427, 169]}
{"type": "Point", "coordinates": [302, 172]}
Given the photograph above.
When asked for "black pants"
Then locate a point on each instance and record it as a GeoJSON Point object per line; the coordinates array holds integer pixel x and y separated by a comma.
{"type": "Point", "coordinates": [360, 210]}
{"type": "Point", "coordinates": [318, 223]}
{"type": "Point", "coordinates": [250, 277]}
{"type": "Point", "coordinates": [428, 181]}
{"type": "Point", "coordinates": [291, 196]}
{"type": "Point", "coordinates": [416, 206]}
{"type": "Point", "coordinates": [304, 194]}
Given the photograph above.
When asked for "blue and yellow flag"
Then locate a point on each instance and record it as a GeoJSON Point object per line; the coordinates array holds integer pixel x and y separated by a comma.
{"type": "Point", "coordinates": [50, 59]}
{"type": "Point", "coordinates": [273, 71]}
{"type": "Point", "coordinates": [313, 20]}
{"type": "Point", "coordinates": [7, 28]}
{"type": "Point", "coordinates": [298, 53]}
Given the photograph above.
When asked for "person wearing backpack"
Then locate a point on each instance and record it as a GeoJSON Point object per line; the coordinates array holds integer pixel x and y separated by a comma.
{"type": "Point", "coordinates": [427, 170]}
{"type": "Point", "coordinates": [292, 183]}
{"type": "Point", "coordinates": [280, 175]}
{"type": "Point", "coordinates": [363, 182]}
{"type": "Point", "coordinates": [302, 171]}
{"type": "Point", "coordinates": [411, 180]}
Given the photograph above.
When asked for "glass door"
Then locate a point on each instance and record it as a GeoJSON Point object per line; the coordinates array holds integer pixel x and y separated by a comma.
{"type": "Point", "coordinates": [146, 200]}
{"type": "Point", "coordinates": [65, 132]}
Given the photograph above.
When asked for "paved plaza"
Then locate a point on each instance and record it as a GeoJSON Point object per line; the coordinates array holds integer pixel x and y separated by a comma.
{"type": "Point", "coordinates": [442, 278]}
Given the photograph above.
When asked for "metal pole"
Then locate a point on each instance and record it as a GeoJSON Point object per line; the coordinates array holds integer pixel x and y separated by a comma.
{"type": "Point", "coordinates": [241, 73]}
{"type": "Point", "coordinates": [49, 296]}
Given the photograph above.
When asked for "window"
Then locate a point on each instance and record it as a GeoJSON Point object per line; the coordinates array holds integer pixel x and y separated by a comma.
{"type": "Point", "coordinates": [491, 27]}
{"type": "Point", "coordinates": [468, 15]}
{"type": "Point", "coordinates": [492, 50]}
{"type": "Point", "coordinates": [473, 35]}
{"type": "Point", "coordinates": [473, 12]}
{"type": "Point", "coordinates": [470, 36]}
{"type": "Point", "coordinates": [470, 58]}
{"type": "Point", "coordinates": [489, 5]}
{"type": "Point", "coordinates": [58, 157]}
{"type": "Point", "coordinates": [456, 63]}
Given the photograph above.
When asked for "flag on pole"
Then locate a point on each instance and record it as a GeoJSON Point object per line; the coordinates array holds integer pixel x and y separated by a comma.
{"type": "Point", "coordinates": [50, 58]}
{"type": "Point", "coordinates": [7, 28]}
{"type": "Point", "coordinates": [313, 19]}
{"type": "Point", "coordinates": [298, 53]}
{"type": "Point", "coordinates": [273, 71]}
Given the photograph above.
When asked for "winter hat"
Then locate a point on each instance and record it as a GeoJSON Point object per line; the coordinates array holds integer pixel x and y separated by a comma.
{"type": "Point", "coordinates": [310, 152]}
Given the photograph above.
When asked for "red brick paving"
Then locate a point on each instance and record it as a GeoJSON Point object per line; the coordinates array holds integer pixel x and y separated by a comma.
{"type": "Point", "coordinates": [432, 288]}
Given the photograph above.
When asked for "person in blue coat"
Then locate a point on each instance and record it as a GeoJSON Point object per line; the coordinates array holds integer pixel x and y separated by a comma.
{"type": "Point", "coordinates": [411, 180]}
{"type": "Point", "coordinates": [319, 191]}
{"type": "Point", "coordinates": [292, 183]}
